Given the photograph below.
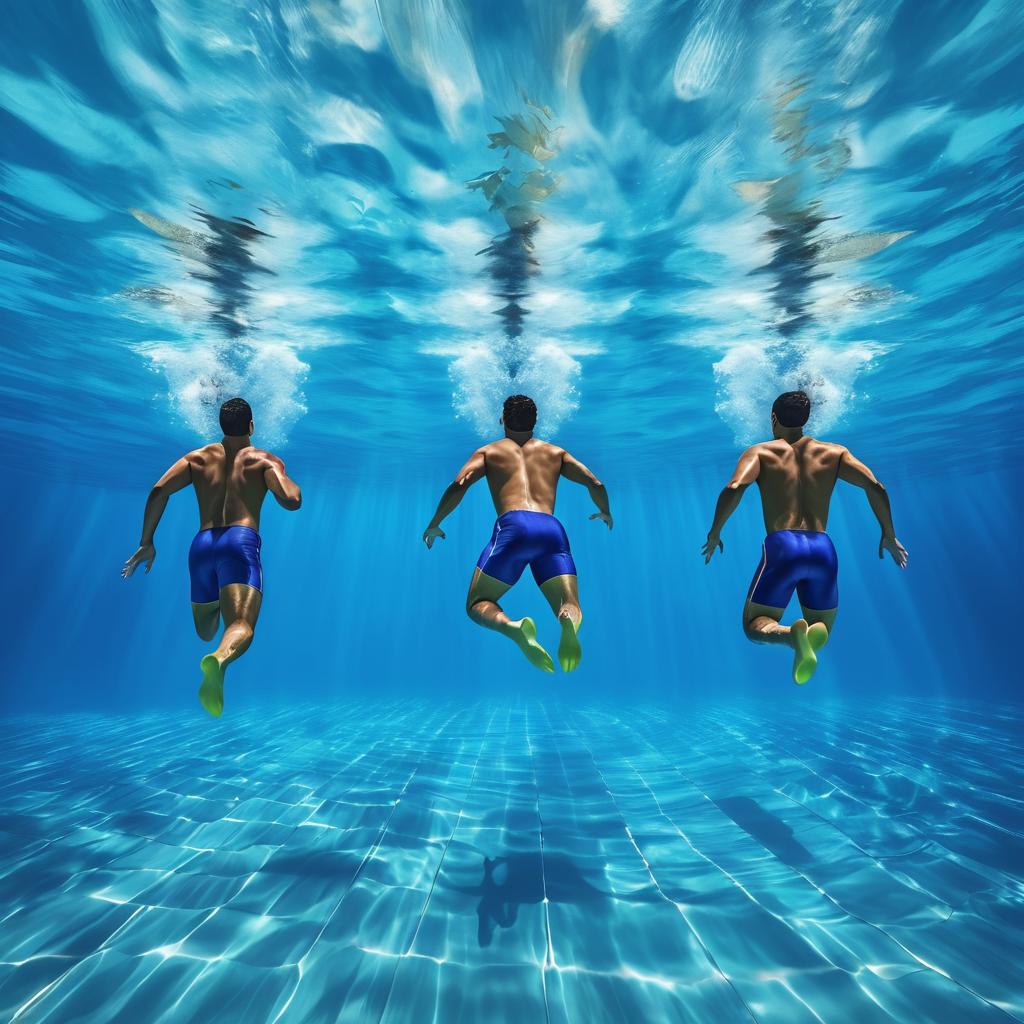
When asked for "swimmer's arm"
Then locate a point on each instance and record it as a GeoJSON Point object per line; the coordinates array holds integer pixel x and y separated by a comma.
{"type": "Point", "coordinates": [747, 471]}
{"type": "Point", "coordinates": [574, 470]}
{"type": "Point", "coordinates": [176, 478]}
{"type": "Point", "coordinates": [473, 470]}
{"type": "Point", "coordinates": [853, 471]}
{"type": "Point", "coordinates": [284, 489]}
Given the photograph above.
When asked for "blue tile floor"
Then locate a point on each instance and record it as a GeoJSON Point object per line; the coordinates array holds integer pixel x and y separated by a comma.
{"type": "Point", "coordinates": [422, 862]}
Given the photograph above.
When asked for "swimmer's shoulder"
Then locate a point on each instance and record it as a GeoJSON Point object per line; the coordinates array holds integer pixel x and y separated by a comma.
{"type": "Point", "coordinates": [770, 451]}
{"type": "Point", "coordinates": [205, 456]}
{"type": "Point", "coordinates": [827, 452]}
{"type": "Point", "coordinates": [546, 449]}
{"type": "Point", "coordinates": [259, 459]}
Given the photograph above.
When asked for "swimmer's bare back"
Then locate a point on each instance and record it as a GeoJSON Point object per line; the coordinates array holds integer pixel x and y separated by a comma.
{"type": "Point", "coordinates": [796, 476]}
{"type": "Point", "coordinates": [230, 478]}
{"type": "Point", "coordinates": [231, 484]}
{"type": "Point", "coordinates": [796, 481]}
{"type": "Point", "coordinates": [524, 476]}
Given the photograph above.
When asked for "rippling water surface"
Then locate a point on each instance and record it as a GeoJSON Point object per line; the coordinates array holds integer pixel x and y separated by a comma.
{"type": "Point", "coordinates": [375, 221]}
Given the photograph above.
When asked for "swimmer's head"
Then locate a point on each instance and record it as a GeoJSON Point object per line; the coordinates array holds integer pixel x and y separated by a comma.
{"type": "Point", "coordinates": [236, 418]}
{"type": "Point", "coordinates": [790, 411]}
{"type": "Point", "coordinates": [519, 415]}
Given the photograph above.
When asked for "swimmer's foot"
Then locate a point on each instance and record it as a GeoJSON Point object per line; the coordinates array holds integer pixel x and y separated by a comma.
{"type": "Point", "coordinates": [524, 633]}
{"type": "Point", "coordinates": [807, 641]}
{"type": "Point", "coordinates": [211, 689]}
{"type": "Point", "coordinates": [569, 651]}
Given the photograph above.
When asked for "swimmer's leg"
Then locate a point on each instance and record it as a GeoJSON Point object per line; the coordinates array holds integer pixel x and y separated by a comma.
{"type": "Point", "coordinates": [206, 618]}
{"type": "Point", "coordinates": [761, 624]}
{"type": "Point", "coordinates": [814, 616]}
{"type": "Point", "coordinates": [240, 605]}
{"type": "Point", "coordinates": [562, 593]}
{"type": "Point", "coordinates": [483, 608]}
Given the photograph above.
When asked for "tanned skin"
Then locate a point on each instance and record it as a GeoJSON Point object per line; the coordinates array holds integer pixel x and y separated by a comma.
{"type": "Point", "coordinates": [231, 477]}
{"type": "Point", "coordinates": [796, 476]}
{"type": "Point", "coordinates": [522, 472]}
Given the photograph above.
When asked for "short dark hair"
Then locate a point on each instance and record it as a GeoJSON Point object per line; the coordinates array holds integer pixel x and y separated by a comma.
{"type": "Point", "coordinates": [519, 413]}
{"type": "Point", "coordinates": [792, 408]}
{"type": "Point", "coordinates": [235, 417]}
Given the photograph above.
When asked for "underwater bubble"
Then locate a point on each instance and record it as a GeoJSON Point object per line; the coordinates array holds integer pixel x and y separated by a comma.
{"type": "Point", "coordinates": [269, 375]}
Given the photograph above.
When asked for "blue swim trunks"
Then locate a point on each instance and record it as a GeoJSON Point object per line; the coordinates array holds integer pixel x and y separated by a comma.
{"type": "Point", "coordinates": [223, 555]}
{"type": "Point", "coordinates": [801, 560]}
{"type": "Point", "coordinates": [522, 538]}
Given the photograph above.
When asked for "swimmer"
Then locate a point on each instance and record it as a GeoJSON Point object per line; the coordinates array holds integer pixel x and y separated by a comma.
{"type": "Point", "coordinates": [523, 473]}
{"type": "Point", "coordinates": [231, 478]}
{"type": "Point", "coordinates": [796, 475]}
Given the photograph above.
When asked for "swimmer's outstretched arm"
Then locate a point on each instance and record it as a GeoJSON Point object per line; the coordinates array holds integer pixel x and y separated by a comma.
{"type": "Point", "coordinates": [472, 471]}
{"type": "Point", "coordinates": [574, 470]}
{"type": "Point", "coordinates": [747, 470]}
{"type": "Point", "coordinates": [176, 478]}
{"type": "Point", "coordinates": [853, 471]}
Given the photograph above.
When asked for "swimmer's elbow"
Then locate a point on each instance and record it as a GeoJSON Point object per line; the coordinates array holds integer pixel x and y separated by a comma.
{"type": "Point", "coordinates": [293, 502]}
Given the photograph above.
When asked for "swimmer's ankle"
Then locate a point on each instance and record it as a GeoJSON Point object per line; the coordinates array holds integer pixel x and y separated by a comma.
{"type": "Point", "coordinates": [795, 632]}
{"type": "Point", "coordinates": [574, 615]}
{"type": "Point", "coordinates": [513, 627]}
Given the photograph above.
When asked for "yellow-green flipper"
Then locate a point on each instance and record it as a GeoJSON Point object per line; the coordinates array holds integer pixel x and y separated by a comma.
{"type": "Point", "coordinates": [211, 689]}
{"type": "Point", "coordinates": [807, 641]}
{"type": "Point", "coordinates": [525, 635]}
{"type": "Point", "coordinates": [569, 651]}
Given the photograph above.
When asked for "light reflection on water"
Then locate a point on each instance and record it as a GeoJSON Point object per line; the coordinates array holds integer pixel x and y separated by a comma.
{"type": "Point", "coordinates": [653, 216]}
{"type": "Point", "coordinates": [425, 861]}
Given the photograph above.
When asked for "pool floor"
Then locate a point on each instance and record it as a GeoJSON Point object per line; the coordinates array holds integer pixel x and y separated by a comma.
{"type": "Point", "coordinates": [414, 861]}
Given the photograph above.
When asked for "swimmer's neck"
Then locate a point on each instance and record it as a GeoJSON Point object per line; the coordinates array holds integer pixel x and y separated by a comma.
{"type": "Point", "coordinates": [519, 436]}
{"type": "Point", "coordinates": [790, 434]}
{"type": "Point", "coordinates": [233, 445]}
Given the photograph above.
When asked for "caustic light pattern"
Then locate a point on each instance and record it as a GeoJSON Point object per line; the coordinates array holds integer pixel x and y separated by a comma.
{"type": "Point", "coordinates": [418, 862]}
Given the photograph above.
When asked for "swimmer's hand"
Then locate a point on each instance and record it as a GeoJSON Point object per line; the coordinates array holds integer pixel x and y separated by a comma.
{"type": "Point", "coordinates": [709, 547]}
{"type": "Point", "coordinates": [605, 517]}
{"type": "Point", "coordinates": [899, 553]}
{"type": "Point", "coordinates": [146, 553]}
{"type": "Point", "coordinates": [431, 533]}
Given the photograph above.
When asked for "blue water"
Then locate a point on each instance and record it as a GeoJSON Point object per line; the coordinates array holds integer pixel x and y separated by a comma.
{"type": "Point", "coordinates": [376, 221]}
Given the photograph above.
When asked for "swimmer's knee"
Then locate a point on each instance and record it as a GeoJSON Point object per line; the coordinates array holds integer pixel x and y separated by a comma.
{"type": "Point", "coordinates": [206, 625]}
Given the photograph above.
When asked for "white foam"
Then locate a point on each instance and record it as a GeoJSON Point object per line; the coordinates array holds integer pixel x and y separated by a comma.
{"type": "Point", "coordinates": [751, 375]}
{"type": "Point", "coordinates": [482, 380]}
{"type": "Point", "coordinates": [202, 375]}
{"type": "Point", "coordinates": [607, 13]}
